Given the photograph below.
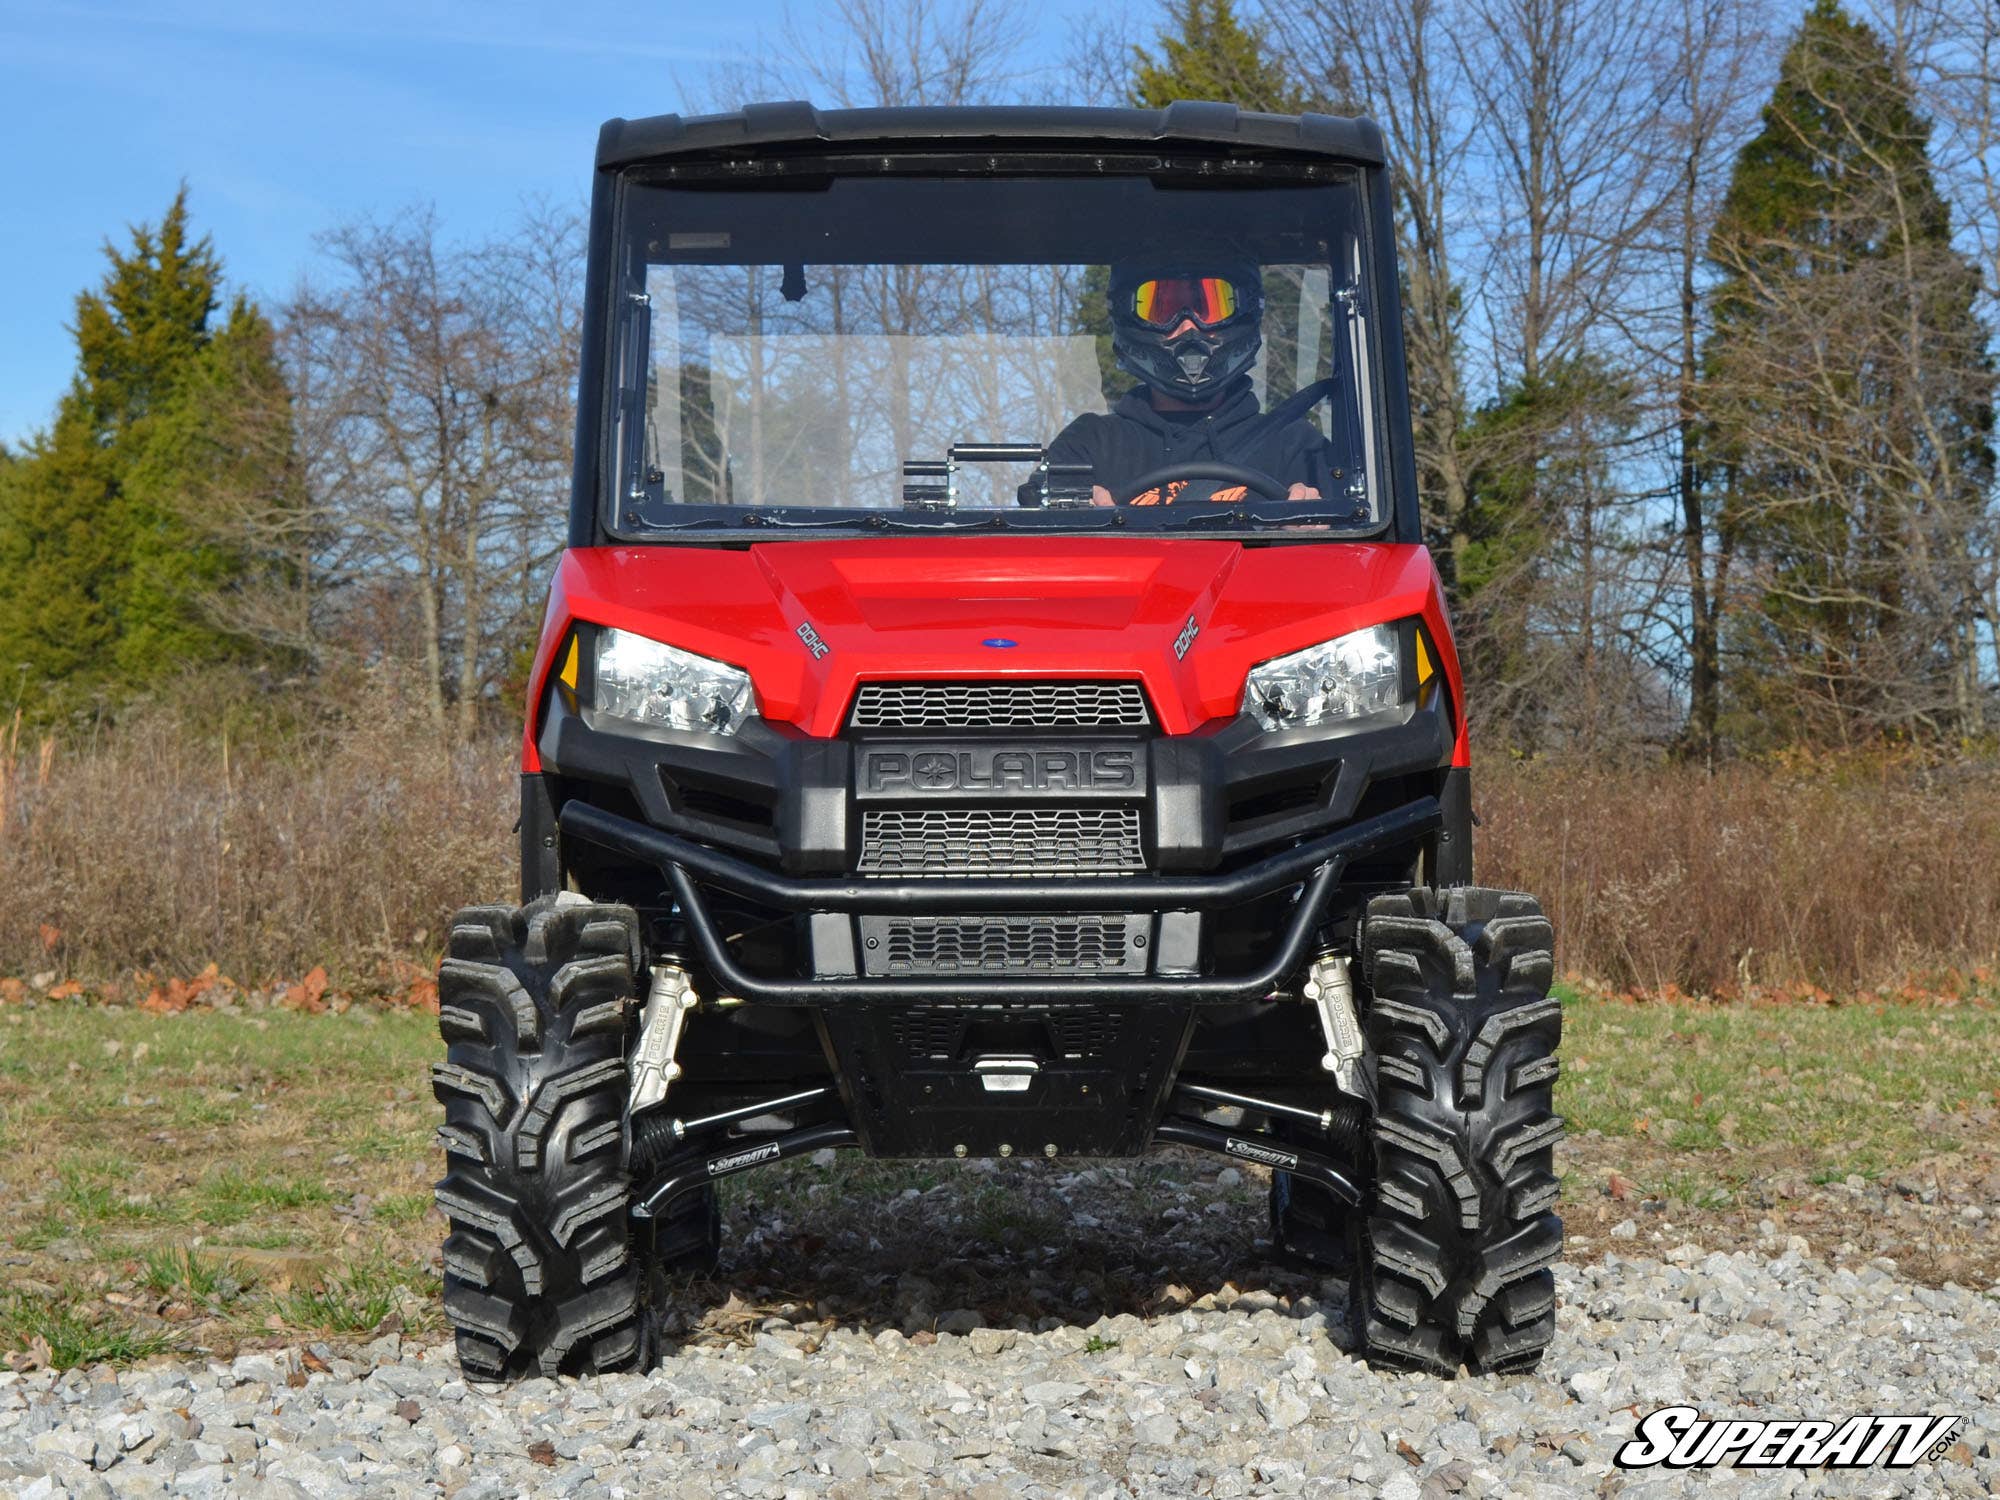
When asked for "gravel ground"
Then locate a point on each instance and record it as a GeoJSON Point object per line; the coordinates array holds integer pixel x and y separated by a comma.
{"type": "Point", "coordinates": [1038, 1385]}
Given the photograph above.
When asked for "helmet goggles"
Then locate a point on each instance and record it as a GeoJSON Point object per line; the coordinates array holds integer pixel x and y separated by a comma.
{"type": "Point", "coordinates": [1164, 302]}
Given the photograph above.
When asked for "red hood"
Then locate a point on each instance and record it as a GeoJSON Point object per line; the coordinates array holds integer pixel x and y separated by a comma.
{"type": "Point", "coordinates": [933, 609]}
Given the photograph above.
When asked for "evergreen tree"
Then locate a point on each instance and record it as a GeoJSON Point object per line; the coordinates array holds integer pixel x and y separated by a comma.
{"type": "Point", "coordinates": [1206, 53]}
{"type": "Point", "coordinates": [1536, 551]}
{"type": "Point", "coordinates": [1848, 401]}
{"type": "Point", "coordinates": [111, 523]}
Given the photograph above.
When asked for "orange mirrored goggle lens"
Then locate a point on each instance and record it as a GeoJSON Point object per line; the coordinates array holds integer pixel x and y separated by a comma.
{"type": "Point", "coordinates": [1163, 303]}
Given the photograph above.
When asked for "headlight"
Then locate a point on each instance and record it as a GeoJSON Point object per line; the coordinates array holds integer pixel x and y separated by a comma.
{"type": "Point", "coordinates": [1344, 678]}
{"type": "Point", "coordinates": [650, 682]}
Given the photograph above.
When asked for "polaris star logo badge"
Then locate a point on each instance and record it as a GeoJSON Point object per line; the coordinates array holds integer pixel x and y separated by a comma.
{"type": "Point", "coordinates": [934, 771]}
{"type": "Point", "coordinates": [814, 644]}
{"type": "Point", "coordinates": [1251, 1151]}
{"type": "Point", "coordinates": [736, 1161]}
{"type": "Point", "coordinates": [1185, 639]}
{"type": "Point", "coordinates": [1682, 1438]}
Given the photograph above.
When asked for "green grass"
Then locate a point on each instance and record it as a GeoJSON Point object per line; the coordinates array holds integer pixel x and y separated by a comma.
{"type": "Point", "coordinates": [402, 1208]}
{"type": "Point", "coordinates": [182, 1270]}
{"type": "Point", "coordinates": [95, 1201]}
{"type": "Point", "coordinates": [200, 1162]}
{"type": "Point", "coordinates": [1864, 1087]}
{"type": "Point", "coordinates": [353, 1302]}
{"type": "Point", "coordinates": [274, 1238]}
{"type": "Point", "coordinates": [233, 1196]}
{"type": "Point", "coordinates": [41, 1232]}
{"type": "Point", "coordinates": [72, 1337]}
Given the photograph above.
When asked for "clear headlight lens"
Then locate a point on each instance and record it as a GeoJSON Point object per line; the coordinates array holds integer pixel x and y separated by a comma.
{"type": "Point", "coordinates": [1344, 678]}
{"type": "Point", "coordinates": [650, 682]}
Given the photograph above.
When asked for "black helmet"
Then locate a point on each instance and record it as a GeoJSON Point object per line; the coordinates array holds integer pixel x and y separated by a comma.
{"type": "Point", "coordinates": [1225, 302]}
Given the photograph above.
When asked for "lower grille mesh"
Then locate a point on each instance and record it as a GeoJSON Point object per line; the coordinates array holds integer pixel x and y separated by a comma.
{"type": "Point", "coordinates": [999, 945]}
{"type": "Point", "coordinates": [925, 1033]}
{"type": "Point", "coordinates": [1002, 841]}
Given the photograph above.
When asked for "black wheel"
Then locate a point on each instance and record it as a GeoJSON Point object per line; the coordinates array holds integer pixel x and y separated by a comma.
{"type": "Point", "coordinates": [1453, 1261]}
{"type": "Point", "coordinates": [536, 1006]}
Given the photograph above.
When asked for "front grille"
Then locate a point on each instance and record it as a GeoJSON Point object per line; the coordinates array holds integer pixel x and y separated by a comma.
{"type": "Point", "coordinates": [1002, 945]}
{"type": "Point", "coordinates": [927, 1033]}
{"type": "Point", "coordinates": [993, 705]}
{"type": "Point", "coordinates": [1002, 841]}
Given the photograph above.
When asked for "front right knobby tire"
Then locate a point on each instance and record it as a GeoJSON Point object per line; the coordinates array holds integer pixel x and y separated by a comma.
{"type": "Point", "coordinates": [536, 1006]}
{"type": "Point", "coordinates": [1452, 1263]}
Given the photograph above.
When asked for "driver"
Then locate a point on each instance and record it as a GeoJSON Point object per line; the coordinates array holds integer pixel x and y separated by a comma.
{"type": "Point", "coordinates": [1190, 334]}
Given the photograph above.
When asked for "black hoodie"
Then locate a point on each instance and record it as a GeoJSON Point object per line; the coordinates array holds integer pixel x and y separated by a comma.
{"type": "Point", "coordinates": [1133, 439]}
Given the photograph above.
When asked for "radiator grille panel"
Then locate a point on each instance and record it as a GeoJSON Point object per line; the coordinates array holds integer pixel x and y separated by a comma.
{"type": "Point", "coordinates": [926, 1033]}
{"type": "Point", "coordinates": [989, 705]}
{"type": "Point", "coordinates": [1002, 841]}
{"type": "Point", "coordinates": [1052, 945]}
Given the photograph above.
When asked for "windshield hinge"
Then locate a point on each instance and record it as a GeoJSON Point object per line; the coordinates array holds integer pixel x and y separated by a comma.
{"type": "Point", "coordinates": [930, 484]}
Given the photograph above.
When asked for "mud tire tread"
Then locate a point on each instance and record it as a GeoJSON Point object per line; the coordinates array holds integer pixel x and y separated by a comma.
{"type": "Point", "coordinates": [539, 1278]}
{"type": "Point", "coordinates": [1452, 1265]}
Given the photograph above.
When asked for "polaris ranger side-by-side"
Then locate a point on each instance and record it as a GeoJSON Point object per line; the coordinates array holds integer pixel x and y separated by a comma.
{"type": "Point", "coordinates": [995, 702]}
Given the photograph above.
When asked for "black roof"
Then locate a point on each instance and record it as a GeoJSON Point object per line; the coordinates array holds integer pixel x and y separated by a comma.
{"type": "Point", "coordinates": [624, 142]}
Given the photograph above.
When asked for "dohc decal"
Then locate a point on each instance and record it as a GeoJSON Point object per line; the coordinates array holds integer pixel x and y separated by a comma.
{"type": "Point", "coordinates": [1185, 639]}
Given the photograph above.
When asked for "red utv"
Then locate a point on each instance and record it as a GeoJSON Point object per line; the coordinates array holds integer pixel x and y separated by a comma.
{"type": "Point", "coordinates": [950, 738]}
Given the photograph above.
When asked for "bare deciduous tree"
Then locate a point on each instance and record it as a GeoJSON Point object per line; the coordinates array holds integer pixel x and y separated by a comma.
{"type": "Point", "coordinates": [434, 387]}
{"type": "Point", "coordinates": [1710, 58]}
{"type": "Point", "coordinates": [1399, 63]}
{"type": "Point", "coordinates": [1951, 52]}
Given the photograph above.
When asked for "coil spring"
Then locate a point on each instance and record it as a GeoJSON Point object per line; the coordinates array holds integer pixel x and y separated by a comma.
{"type": "Point", "coordinates": [1348, 1130]}
{"type": "Point", "coordinates": [652, 1141]}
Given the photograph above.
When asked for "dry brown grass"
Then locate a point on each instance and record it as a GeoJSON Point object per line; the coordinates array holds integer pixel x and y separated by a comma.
{"type": "Point", "coordinates": [346, 839]}
{"type": "Point", "coordinates": [1849, 876]}
{"type": "Point", "coordinates": [154, 847]}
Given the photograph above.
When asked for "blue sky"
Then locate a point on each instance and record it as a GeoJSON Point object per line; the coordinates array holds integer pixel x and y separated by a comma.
{"type": "Point", "coordinates": [287, 118]}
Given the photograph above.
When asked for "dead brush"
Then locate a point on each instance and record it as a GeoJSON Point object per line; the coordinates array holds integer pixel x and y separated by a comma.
{"type": "Point", "coordinates": [349, 845]}
{"type": "Point", "coordinates": [142, 848]}
{"type": "Point", "coordinates": [1849, 875]}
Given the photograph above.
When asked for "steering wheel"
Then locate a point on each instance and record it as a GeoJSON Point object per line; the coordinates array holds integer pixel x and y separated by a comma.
{"type": "Point", "coordinates": [1255, 480]}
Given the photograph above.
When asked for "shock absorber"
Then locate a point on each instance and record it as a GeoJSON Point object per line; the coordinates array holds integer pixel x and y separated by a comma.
{"type": "Point", "coordinates": [668, 1002]}
{"type": "Point", "coordinates": [655, 1137]}
{"type": "Point", "coordinates": [1347, 1129]}
{"type": "Point", "coordinates": [1330, 987]}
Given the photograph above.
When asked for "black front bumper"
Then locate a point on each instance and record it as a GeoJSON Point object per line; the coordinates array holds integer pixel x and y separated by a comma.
{"type": "Point", "coordinates": [1313, 866]}
{"type": "Point", "coordinates": [750, 858]}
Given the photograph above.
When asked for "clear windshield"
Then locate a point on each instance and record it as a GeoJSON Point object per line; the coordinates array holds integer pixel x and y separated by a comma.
{"type": "Point", "coordinates": [927, 350]}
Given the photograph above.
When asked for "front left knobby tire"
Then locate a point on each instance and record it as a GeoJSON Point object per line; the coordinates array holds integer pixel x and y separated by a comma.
{"type": "Point", "coordinates": [536, 1005]}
